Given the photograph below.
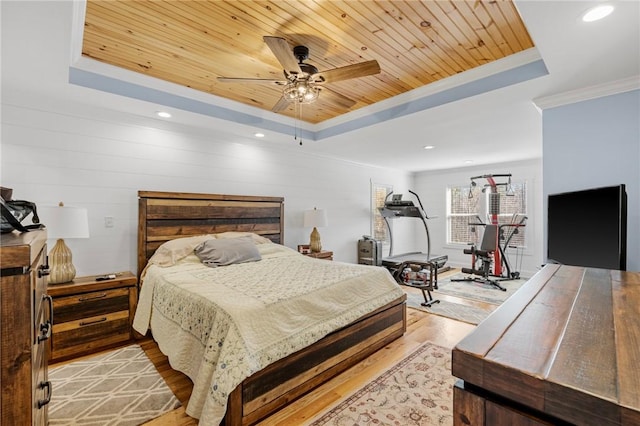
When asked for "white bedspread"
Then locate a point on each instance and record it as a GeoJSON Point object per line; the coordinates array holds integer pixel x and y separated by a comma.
{"type": "Point", "coordinates": [220, 325]}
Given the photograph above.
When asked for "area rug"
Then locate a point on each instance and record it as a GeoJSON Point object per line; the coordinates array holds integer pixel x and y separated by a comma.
{"type": "Point", "coordinates": [477, 291]}
{"type": "Point", "coordinates": [417, 391]}
{"type": "Point", "coordinates": [444, 308]}
{"type": "Point", "coordinates": [121, 387]}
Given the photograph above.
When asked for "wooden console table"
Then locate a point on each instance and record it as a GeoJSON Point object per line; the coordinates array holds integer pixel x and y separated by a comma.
{"type": "Point", "coordinates": [564, 349]}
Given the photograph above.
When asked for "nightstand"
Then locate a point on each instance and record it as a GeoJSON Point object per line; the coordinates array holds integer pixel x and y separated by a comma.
{"type": "Point", "coordinates": [327, 255]}
{"type": "Point", "coordinates": [91, 315]}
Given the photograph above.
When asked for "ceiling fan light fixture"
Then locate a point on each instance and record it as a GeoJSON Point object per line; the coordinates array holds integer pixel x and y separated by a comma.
{"type": "Point", "coordinates": [300, 91]}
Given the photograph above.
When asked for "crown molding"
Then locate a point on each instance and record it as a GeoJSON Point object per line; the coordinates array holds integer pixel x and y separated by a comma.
{"type": "Point", "coordinates": [588, 93]}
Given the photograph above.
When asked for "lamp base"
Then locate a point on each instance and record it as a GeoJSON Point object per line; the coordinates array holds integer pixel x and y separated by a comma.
{"type": "Point", "coordinates": [314, 243]}
{"type": "Point", "coordinates": [60, 265]}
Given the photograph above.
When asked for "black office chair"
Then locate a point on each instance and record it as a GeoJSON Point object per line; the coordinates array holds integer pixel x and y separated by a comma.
{"type": "Point", "coordinates": [482, 259]}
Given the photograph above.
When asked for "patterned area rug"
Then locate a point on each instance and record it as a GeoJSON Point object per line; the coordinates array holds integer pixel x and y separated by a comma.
{"type": "Point", "coordinates": [477, 291]}
{"type": "Point", "coordinates": [416, 391]}
{"type": "Point", "coordinates": [457, 311]}
{"type": "Point", "coordinates": [121, 387]}
{"type": "Point", "coordinates": [470, 290]}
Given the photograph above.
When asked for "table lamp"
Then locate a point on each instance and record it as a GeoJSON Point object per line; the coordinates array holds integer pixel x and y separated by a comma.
{"type": "Point", "coordinates": [63, 222]}
{"type": "Point", "coordinates": [315, 218]}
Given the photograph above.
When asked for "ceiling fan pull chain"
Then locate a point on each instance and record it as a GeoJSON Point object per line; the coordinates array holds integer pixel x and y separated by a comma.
{"type": "Point", "coordinates": [297, 112]}
{"type": "Point", "coordinates": [295, 121]}
{"type": "Point", "coordinates": [300, 120]}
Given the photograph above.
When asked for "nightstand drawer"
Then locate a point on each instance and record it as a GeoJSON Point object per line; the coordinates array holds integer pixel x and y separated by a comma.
{"type": "Point", "coordinates": [90, 333]}
{"type": "Point", "coordinates": [85, 305]}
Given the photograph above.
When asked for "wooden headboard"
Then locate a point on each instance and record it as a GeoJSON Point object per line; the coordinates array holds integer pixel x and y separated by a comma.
{"type": "Point", "coordinates": [164, 216]}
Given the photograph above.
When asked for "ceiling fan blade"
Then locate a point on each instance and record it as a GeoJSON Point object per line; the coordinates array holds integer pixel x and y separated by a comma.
{"type": "Point", "coordinates": [283, 53]}
{"type": "Point", "coordinates": [251, 80]}
{"type": "Point", "coordinates": [362, 69]}
{"type": "Point", "coordinates": [336, 98]}
{"type": "Point", "coordinates": [282, 104]}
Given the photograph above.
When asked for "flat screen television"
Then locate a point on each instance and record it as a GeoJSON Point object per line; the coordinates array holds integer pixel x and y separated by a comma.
{"type": "Point", "coordinates": [588, 228]}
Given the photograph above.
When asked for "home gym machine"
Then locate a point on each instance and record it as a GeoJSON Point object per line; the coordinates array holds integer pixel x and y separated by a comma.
{"type": "Point", "coordinates": [414, 269]}
{"type": "Point", "coordinates": [489, 263]}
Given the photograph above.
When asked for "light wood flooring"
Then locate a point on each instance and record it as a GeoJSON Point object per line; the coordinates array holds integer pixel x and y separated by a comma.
{"type": "Point", "coordinates": [421, 327]}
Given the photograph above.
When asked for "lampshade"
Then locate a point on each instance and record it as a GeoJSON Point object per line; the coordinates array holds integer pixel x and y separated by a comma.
{"type": "Point", "coordinates": [63, 222]}
{"type": "Point", "coordinates": [315, 218]}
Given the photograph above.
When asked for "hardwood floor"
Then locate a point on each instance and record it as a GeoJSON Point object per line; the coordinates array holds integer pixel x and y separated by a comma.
{"type": "Point", "coordinates": [421, 327]}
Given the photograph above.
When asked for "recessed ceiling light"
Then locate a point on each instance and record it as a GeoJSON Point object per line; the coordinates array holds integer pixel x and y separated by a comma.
{"type": "Point", "coordinates": [259, 135]}
{"type": "Point", "coordinates": [468, 161]}
{"type": "Point", "coordinates": [163, 114]}
{"type": "Point", "coordinates": [428, 147]}
{"type": "Point", "coordinates": [597, 13]}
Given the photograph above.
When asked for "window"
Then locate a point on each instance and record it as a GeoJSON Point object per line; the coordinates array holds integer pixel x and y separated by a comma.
{"type": "Point", "coordinates": [464, 209]}
{"type": "Point", "coordinates": [513, 209]}
{"type": "Point", "coordinates": [379, 230]}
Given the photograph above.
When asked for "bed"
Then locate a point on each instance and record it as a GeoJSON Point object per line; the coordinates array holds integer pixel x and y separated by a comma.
{"type": "Point", "coordinates": [274, 361]}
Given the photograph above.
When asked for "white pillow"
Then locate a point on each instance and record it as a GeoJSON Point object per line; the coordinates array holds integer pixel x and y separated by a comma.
{"type": "Point", "coordinates": [170, 252]}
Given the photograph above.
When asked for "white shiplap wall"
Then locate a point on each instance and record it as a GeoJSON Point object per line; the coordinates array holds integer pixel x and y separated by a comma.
{"type": "Point", "coordinates": [98, 159]}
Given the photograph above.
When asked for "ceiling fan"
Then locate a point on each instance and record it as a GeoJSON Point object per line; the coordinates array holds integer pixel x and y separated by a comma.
{"type": "Point", "coordinates": [302, 82]}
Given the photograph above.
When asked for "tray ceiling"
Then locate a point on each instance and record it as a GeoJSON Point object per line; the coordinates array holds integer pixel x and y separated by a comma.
{"type": "Point", "coordinates": [191, 43]}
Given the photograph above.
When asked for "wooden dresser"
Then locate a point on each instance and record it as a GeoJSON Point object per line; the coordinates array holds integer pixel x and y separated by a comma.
{"type": "Point", "coordinates": [25, 328]}
{"type": "Point", "coordinates": [91, 314]}
{"type": "Point", "coordinates": [564, 349]}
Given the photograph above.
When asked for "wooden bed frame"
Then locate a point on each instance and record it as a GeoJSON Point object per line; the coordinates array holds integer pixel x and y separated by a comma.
{"type": "Point", "coordinates": [164, 216]}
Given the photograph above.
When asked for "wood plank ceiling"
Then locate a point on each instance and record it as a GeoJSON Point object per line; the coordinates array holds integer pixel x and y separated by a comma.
{"type": "Point", "coordinates": [191, 43]}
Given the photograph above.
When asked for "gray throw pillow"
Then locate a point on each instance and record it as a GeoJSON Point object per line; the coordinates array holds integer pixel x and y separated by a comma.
{"type": "Point", "coordinates": [216, 252]}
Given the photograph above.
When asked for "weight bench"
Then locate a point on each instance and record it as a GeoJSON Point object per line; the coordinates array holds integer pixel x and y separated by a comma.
{"type": "Point", "coordinates": [484, 256]}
